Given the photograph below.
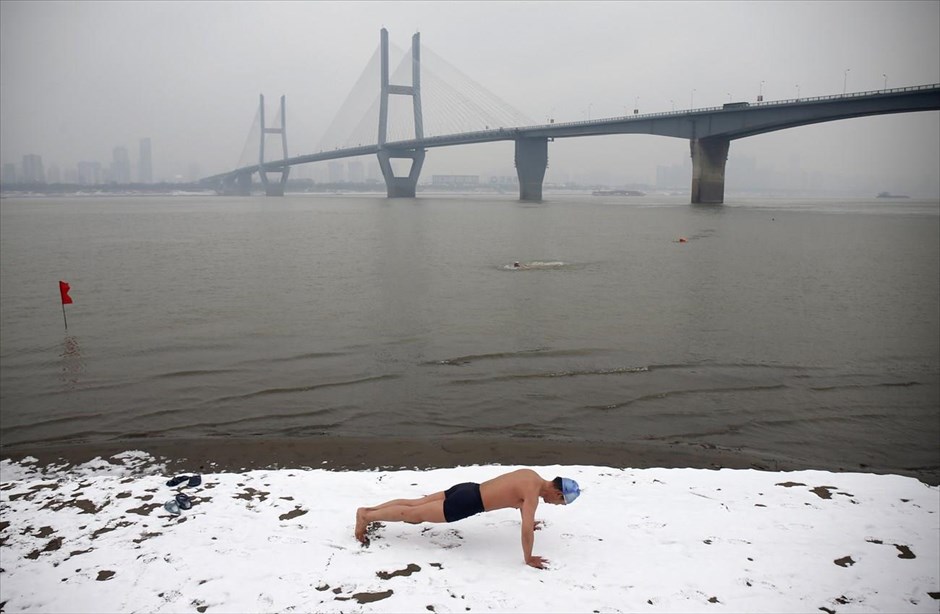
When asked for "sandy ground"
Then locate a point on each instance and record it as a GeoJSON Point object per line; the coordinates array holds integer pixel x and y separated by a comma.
{"type": "Point", "coordinates": [360, 453]}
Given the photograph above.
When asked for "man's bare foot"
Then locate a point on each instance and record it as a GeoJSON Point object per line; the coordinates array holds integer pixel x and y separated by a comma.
{"type": "Point", "coordinates": [361, 525]}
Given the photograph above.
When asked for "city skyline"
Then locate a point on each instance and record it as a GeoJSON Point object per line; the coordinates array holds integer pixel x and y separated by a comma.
{"type": "Point", "coordinates": [86, 172]}
{"type": "Point", "coordinates": [751, 177]}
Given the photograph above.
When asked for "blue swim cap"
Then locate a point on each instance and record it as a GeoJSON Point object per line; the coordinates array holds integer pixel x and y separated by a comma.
{"type": "Point", "coordinates": [570, 490]}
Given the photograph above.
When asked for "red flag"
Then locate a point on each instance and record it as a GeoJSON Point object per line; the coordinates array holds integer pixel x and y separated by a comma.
{"type": "Point", "coordinates": [64, 291]}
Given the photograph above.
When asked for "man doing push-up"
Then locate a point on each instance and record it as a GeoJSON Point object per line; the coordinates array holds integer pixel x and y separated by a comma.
{"type": "Point", "coordinates": [520, 489]}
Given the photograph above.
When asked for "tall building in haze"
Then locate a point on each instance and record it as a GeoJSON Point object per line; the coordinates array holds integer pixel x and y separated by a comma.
{"type": "Point", "coordinates": [144, 162]}
{"type": "Point", "coordinates": [9, 173]}
{"type": "Point", "coordinates": [89, 173]}
{"type": "Point", "coordinates": [356, 171]}
{"type": "Point", "coordinates": [32, 169]}
{"type": "Point", "coordinates": [336, 170]}
{"type": "Point", "coordinates": [121, 166]}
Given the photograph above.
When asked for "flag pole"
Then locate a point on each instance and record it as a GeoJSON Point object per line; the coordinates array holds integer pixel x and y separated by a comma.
{"type": "Point", "coordinates": [64, 295]}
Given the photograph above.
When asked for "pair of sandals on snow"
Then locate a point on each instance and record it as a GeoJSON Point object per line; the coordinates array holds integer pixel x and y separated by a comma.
{"type": "Point", "coordinates": [182, 501]}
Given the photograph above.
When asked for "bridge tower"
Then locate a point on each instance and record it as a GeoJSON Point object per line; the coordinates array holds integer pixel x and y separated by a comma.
{"type": "Point", "coordinates": [271, 188]}
{"type": "Point", "coordinates": [401, 187]}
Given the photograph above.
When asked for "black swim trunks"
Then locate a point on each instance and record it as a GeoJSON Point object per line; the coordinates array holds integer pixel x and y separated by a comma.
{"type": "Point", "coordinates": [461, 501]}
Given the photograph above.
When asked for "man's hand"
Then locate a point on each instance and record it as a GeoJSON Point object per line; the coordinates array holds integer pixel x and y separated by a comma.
{"type": "Point", "coordinates": [537, 562]}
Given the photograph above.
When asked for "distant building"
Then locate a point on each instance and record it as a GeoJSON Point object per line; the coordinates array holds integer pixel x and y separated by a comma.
{"type": "Point", "coordinates": [675, 176]}
{"type": "Point", "coordinates": [318, 173]}
{"type": "Point", "coordinates": [32, 169]}
{"type": "Point", "coordinates": [53, 175]}
{"type": "Point", "coordinates": [373, 172]}
{"type": "Point", "coordinates": [145, 163]}
{"type": "Point", "coordinates": [455, 181]}
{"type": "Point", "coordinates": [89, 173]}
{"type": "Point", "coordinates": [356, 171]}
{"type": "Point", "coordinates": [9, 173]}
{"type": "Point", "coordinates": [121, 166]}
{"type": "Point", "coordinates": [336, 172]}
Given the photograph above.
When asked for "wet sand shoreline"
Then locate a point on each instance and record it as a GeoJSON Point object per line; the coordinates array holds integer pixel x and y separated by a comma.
{"type": "Point", "coordinates": [363, 453]}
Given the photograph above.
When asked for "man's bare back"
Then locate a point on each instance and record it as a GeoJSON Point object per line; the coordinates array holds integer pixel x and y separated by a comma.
{"type": "Point", "coordinates": [511, 489]}
{"type": "Point", "coordinates": [520, 489]}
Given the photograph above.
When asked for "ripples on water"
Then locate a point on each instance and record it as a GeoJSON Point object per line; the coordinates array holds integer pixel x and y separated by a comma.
{"type": "Point", "coordinates": [807, 333]}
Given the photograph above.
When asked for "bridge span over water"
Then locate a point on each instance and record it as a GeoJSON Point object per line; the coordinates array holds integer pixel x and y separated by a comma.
{"type": "Point", "coordinates": [708, 130]}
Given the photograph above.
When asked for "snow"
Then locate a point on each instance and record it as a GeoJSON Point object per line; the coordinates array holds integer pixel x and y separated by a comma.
{"type": "Point", "coordinates": [95, 538]}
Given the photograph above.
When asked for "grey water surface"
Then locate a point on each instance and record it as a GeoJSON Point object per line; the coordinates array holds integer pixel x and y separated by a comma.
{"type": "Point", "coordinates": [794, 329]}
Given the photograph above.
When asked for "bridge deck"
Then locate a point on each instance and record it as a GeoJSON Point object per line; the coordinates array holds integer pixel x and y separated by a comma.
{"type": "Point", "coordinates": [733, 121]}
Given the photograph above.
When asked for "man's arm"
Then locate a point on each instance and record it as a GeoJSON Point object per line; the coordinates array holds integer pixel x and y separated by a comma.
{"type": "Point", "coordinates": [528, 533]}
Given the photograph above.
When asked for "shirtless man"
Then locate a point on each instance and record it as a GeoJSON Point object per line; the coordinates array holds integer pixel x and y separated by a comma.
{"type": "Point", "coordinates": [520, 489]}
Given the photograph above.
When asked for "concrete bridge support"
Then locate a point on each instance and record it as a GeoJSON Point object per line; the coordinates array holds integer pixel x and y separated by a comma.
{"type": "Point", "coordinates": [237, 185]}
{"type": "Point", "coordinates": [226, 186]}
{"type": "Point", "coordinates": [401, 187]}
{"type": "Point", "coordinates": [271, 188]}
{"type": "Point", "coordinates": [243, 184]}
{"type": "Point", "coordinates": [531, 162]}
{"type": "Point", "coordinates": [709, 156]}
{"type": "Point", "coordinates": [274, 189]}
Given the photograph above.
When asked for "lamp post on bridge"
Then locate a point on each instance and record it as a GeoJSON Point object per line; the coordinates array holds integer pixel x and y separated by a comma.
{"type": "Point", "coordinates": [886, 81]}
{"type": "Point", "coordinates": [636, 105]}
{"type": "Point", "coordinates": [760, 92]}
{"type": "Point", "coordinates": [729, 96]}
{"type": "Point", "coordinates": [845, 79]}
{"type": "Point", "coordinates": [691, 99]}
{"type": "Point", "coordinates": [797, 91]}
{"type": "Point", "coordinates": [673, 104]}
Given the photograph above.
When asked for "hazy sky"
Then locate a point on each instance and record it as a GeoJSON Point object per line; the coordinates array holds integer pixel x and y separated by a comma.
{"type": "Point", "coordinates": [79, 78]}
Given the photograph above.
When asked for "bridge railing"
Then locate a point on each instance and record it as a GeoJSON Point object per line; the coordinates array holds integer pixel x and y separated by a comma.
{"type": "Point", "coordinates": [769, 103]}
{"type": "Point", "coordinates": [894, 90]}
{"type": "Point", "coordinates": [486, 135]}
{"type": "Point", "coordinates": [464, 136]}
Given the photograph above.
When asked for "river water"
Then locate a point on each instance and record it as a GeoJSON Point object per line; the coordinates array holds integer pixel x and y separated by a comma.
{"type": "Point", "coordinates": [805, 331]}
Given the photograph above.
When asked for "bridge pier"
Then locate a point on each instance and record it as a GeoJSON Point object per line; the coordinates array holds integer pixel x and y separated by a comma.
{"type": "Point", "coordinates": [709, 156]}
{"type": "Point", "coordinates": [237, 185]}
{"type": "Point", "coordinates": [401, 187]}
{"type": "Point", "coordinates": [531, 162]}
{"type": "Point", "coordinates": [274, 189]}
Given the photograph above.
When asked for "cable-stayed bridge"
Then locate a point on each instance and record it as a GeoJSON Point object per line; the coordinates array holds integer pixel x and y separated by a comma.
{"type": "Point", "coordinates": [448, 109]}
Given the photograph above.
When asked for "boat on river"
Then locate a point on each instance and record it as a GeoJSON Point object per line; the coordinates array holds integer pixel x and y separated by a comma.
{"type": "Point", "coordinates": [890, 195]}
{"type": "Point", "coordinates": [617, 193]}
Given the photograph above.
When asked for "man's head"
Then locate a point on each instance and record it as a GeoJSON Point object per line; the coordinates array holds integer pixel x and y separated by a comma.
{"type": "Point", "coordinates": [567, 491]}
